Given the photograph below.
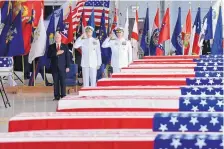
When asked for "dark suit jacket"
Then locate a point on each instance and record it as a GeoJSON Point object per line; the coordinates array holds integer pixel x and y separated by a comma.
{"type": "Point", "coordinates": [60, 62]}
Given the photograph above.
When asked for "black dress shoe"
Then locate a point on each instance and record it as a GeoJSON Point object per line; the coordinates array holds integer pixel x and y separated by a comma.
{"type": "Point", "coordinates": [56, 98]}
{"type": "Point", "coordinates": [62, 96]}
{"type": "Point", "coordinates": [49, 84]}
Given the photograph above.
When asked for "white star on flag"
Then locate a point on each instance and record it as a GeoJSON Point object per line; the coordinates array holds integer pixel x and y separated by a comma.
{"type": "Point", "coordinates": [210, 61]}
{"type": "Point", "coordinates": [201, 61]}
{"type": "Point", "coordinates": [195, 89]}
{"type": "Point", "coordinates": [198, 81]}
{"type": "Point", "coordinates": [183, 128]}
{"type": "Point", "coordinates": [187, 101]}
{"type": "Point", "coordinates": [220, 103]}
{"type": "Point", "coordinates": [204, 68]}
{"type": "Point", "coordinates": [210, 88]}
{"type": "Point", "coordinates": [222, 144]}
{"type": "Point", "coordinates": [163, 127]}
{"type": "Point", "coordinates": [65, 31]}
{"type": "Point", "coordinates": [215, 64]}
{"type": "Point", "coordinates": [200, 143]}
{"type": "Point", "coordinates": [215, 68]}
{"type": "Point", "coordinates": [218, 75]}
{"type": "Point", "coordinates": [173, 120]}
{"type": "Point", "coordinates": [206, 63]}
{"type": "Point", "coordinates": [175, 143]}
{"type": "Point", "coordinates": [203, 94]}
{"type": "Point", "coordinates": [214, 121]}
{"type": "Point", "coordinates": [203, 128]}
{"type": "Point", "coordinates": [211, 109]}
{"type": "Point", "coordinates": [211, 81]}
{"type": "Point", "coordinates": [206, 75]}
{"type": "Point", "coordinates": [194, 108]}
{"type": "Point", "coordinates": [203, 102]}
{"type": "Point", "coordinates": [222, 128]}
{"type": "Point", "coordinates": [188, 93]}
{"type": "Point", "coordinates": [194, 120]}
{"type": "Point", "coordinates": [217, 93]}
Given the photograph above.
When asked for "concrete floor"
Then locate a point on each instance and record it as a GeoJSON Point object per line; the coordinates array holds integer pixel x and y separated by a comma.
{"type": "Point", "coordinates": [24, 102]}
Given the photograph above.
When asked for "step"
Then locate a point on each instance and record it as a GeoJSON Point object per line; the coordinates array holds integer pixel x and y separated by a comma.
{"type": "Point", "coordinates": [204, 81]}
{"type": "Point", "coordinates": [158, 91]}
{"type": "Point", "coordinates": [116, 103]}
{"type": "Point", "coordinates": [142, 82]}
{"type": "Point", "coordinates": [172, 57]}
{"type": "Point", "coordinates": [216, 91]}
{"type": "Point", "coordinates": [100, 139]}
{"type": "Point", "coordinates": [188, 122]}
{"type": "Point", "coordinates": [165, 70]}
{"type": "Point", "coordinates": [162, 65]}
{"type": "Point", "coordinates": [80, 120]}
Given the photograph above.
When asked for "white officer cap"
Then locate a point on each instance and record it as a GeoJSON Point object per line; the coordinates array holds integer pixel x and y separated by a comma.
{"type": "Point", "coordinates": [87, 28]}
{"type": "Point", "coordinates": [119, 29]}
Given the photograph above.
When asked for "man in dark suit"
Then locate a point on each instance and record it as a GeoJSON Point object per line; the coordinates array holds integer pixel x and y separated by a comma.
{"type": "Point", "coordinates": [59, 55]}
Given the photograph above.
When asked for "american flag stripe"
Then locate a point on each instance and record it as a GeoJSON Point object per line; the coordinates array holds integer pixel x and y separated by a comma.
{"type": "Point", "coordinates": [87, 6]}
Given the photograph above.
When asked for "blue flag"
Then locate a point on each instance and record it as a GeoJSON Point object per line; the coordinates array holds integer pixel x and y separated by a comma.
{"type": "Point", "coordinates": [14, 39]}
{"type": "Point", "coordinates": [5, 11]}
{"type": "Point", "coordinates": [91, 22]}
{"type": "Point", "coordinates": [105, 52]}
{"type": "Point", "coordinates": [177, 36]}
{"type": "Point", "coordinates": [145, 40]}
{"type": "Point", "coordinates": [217, 47]}
{"type": "Point", "coordinates": [44, 61]}
{"type": "Point", "coordinates": [208, 32]}
{"type": "Point", "coordinates": [3, 33]}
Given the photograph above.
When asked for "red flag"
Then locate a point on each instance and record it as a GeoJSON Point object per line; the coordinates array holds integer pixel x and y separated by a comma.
{"type": "Point", "coordinates": [187, 33]}
{"type": "Point", "coordinates": [164, 32]}
{"type": "Point", "coordinates": [38, 6]}
{"type": "Point", "coordinates": [27, 25]}
{"type": "Point", "coordinates": [1, 4]}
{"type": "Point", "coordinates": [70, 29]}
{"type": "Point", "coordinates": [114, 25]}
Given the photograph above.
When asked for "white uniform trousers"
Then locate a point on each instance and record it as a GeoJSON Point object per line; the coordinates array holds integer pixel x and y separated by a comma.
{"type": "Point", "coordinates": [89, 73]}
{"type": "Point", "coordinates": [116, 70]}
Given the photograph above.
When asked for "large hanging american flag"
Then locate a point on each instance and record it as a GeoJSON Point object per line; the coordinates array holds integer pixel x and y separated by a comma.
{"type": "Point", "coordinates": [87, 6]}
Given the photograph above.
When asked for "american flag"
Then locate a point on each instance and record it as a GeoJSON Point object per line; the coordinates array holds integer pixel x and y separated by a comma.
{"type": "Point", "coordinates": [219, 60]}
{"type": "Point", "coordinates": [210, 104]}
{"type": "Point", "coordinates": [87, 6]}
{"type": "Point", "coordinates": [188, 122]}
{"type": "Point", "coordinates": [204, 81]}
{"type": "Point", "coordinates": [189, 141]}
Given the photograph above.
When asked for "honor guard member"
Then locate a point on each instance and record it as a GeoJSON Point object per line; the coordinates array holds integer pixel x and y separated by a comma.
{"type": "Point", "coordinates": [121, 50]}
{"type": "Point", "coordinates": [91, 56]}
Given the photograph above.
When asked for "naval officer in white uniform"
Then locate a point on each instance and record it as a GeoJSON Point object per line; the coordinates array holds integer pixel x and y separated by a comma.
{"type": "Point", "coordinates": [121, 50]}
{"type": "Point", "coordinates": [91, 56]}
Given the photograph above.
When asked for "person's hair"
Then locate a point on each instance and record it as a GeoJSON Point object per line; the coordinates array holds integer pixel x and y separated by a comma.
{"type": "Point", "coordinates": [57, 33]}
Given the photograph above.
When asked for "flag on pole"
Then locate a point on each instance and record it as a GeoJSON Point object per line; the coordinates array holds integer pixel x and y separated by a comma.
{"type": "Point", "coordinates": [62, 28]}
{"type": "Point", "coordinates": [39, 41]}
{"type": "Point", "coordinates": [217, 46]}
{"type": "Point", "coordinates": [134, 37]}
{"type": "Point", "coordinates": [145, 40]}
{"type": "Point", "coordinates": [206, 31]}
{"type": "Point", "coordinates": [105, 52]}
{"type": "Point", "coordinates": [164, 33]}
{"type": "Point", "coordinates": [44, 60]}
{"type": "Point", "coordinates": [186, 34]}
{"type": "Point", "coordinates": [177, 36]}
{"type": "Point", "coordinates": [27, 24]}
{"type": "Point", "coordinates": [215, 14]}
{"type": "Point", "coordinates": [91, 22]}
{"type": "Point", "coordinates": [70, 28]}
{"type": "Point", "coordinates": [195, 49]}
{"type": "Point", "coordinates": [155, 34]}
{"type": "Point", "coordinates": [126, 26]}
{"type": "Point", "coordinates": [14, 38]}
{"type": "Point", "coordinates": [4, 28]}
{"type": "Point", "coordinates": [115, 22]}
{"type": "Point", "coordinates": [6, 6]}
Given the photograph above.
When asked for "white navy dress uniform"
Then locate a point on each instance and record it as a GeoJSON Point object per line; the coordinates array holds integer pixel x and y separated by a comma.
{"type": "Point", "coordinates": [121, 52]}
{"type": "Point", "coordinates": [91, 58]}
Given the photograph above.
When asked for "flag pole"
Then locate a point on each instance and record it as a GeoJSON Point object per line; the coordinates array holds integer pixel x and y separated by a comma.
{"type": "Point", "coordinates": [44, 76]}
{"type": "Point", "coordinates": [34, 73]}
{"type": "Point", "coordinates": [23, 70]}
